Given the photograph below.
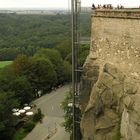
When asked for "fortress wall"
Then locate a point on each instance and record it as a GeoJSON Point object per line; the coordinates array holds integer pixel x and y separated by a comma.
{"type": "Point", "coordinates": [116, 38]}
{"type": "Point", "coordinates": [110, 84]}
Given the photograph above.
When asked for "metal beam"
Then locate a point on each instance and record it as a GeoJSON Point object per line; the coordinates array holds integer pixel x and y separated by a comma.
{"type": "Point", "coordinates": [75, 19]}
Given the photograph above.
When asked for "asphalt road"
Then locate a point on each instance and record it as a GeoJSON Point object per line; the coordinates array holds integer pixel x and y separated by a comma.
{"type": "Point", "coordinates": [50, 106]}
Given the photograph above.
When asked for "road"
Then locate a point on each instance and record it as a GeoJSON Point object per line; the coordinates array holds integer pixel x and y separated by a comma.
{"type": "Point", "coordinates": [50, 106]}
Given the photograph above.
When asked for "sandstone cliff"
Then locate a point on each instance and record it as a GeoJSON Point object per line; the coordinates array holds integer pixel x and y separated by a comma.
{"type": "Point", "coordinates": [110, 94]}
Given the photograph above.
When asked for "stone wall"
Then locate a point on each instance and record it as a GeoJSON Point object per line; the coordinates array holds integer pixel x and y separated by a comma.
{"type": "Point", "coordinates": [110, 93]}
{"type": "Point", "coordinates": [118, 13]}
{"type": "Point", "coordinates": [117, 40]}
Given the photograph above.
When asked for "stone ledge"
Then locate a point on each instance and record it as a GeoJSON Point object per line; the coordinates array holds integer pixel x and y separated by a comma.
{"type": "Point", "coordinates": [116, 13]}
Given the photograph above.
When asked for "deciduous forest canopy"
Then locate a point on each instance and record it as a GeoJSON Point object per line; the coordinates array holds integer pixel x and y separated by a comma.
{"type": "Point", "coordinates": [25, 34]}
{"type": "Point", "coordinates": [40, 49]}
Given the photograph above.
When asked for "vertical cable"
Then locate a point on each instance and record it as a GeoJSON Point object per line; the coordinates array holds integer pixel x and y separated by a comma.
{"type": "Point", "coordinates": [73, 63]}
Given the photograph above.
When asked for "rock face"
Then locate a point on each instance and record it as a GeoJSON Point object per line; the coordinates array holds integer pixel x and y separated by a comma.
{"type": "Point", "coordinates": [110, 94]}
{"type": "Point", "coordinates": [113, 109]}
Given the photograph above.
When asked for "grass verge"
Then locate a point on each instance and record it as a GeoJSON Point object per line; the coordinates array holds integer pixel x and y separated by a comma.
{"type": "Point", "coordinates": [5, 63]}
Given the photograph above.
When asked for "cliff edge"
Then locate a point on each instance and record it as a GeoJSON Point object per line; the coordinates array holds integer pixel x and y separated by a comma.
{"type": "Point", "coordinates": [110, 94]}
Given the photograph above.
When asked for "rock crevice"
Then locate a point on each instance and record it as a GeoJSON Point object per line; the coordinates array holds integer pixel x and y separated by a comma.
{"type": "Point", "coordinates": [112, 111]}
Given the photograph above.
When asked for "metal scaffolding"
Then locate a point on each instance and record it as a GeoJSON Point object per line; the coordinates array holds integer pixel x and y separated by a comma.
{"type": "Point", "coordinates": [76, 69]}
{"type": "Point", "coordinates": [75, 12]}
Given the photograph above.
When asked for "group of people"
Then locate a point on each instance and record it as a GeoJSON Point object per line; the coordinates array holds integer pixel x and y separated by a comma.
{"type": "Point", "coordinates": [106, 6]}
{"type": "Point", "coordinates": [120, 7]}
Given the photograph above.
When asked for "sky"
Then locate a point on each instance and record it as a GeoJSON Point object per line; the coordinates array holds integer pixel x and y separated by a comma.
{"type": "Point", "coordinates": [62, 3]}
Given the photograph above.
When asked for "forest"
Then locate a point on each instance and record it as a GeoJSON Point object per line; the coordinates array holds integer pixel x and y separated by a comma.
{"type": "Point", "coordinates": [40, 48]}
{"type": "Point", "coordinates": [25, 34]}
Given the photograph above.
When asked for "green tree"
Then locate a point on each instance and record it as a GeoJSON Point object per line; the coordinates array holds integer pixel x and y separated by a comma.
{"type": "Point", "coordinates": [22, 64]}
{"type": "Point", "coordinates": [57, 62]}
{"type": "Point", "coordinates": [41, 74]}
{"type": "Point", "coordinates": [7, 76]}
{"type": "Point", "coordinates": [7, 103]}
{"type": "Point", "coordinates": [64, 48]}
{"type": "Point", "coordinates": [8, 53]}
{"type": "Point", "coordinates": [69, 58]}
{"type": "Point", "coordinates": [28, 126]}
{"type": "Point", "coordinates": [22, 89]}
{"type": "Point", "coordinates": [38, 116]}
{"type": "Point", "coordinates": [67, 71]}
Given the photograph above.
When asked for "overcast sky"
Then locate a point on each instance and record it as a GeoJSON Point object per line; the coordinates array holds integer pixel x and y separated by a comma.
{"type": "Point", "coordinates": [61, 3]}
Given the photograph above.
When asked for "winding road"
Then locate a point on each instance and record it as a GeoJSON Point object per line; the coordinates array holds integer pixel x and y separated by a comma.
{"type": "Point", "coordinates": [50, 106]}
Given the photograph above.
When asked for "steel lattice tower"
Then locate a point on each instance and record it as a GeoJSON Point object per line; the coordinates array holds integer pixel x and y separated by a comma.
{"type": "Point", "coordinates": [75, 18]}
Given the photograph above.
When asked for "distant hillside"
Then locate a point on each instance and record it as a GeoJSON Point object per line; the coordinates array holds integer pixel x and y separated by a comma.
{"type": "Point", "coordinates": [27, 33]}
